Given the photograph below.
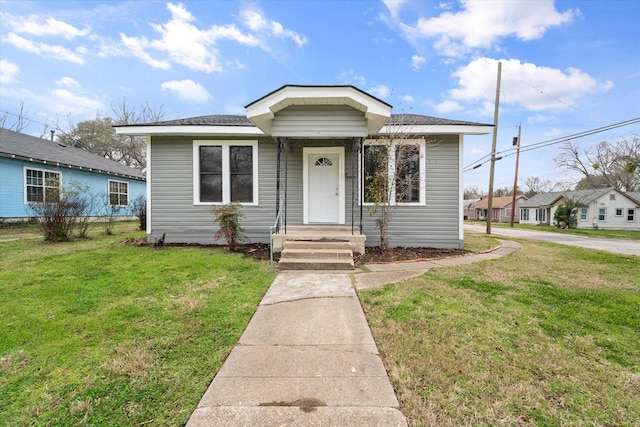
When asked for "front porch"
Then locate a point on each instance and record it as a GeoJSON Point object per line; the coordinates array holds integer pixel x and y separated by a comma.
{"type": "Point", "coordinates": [317, 247]}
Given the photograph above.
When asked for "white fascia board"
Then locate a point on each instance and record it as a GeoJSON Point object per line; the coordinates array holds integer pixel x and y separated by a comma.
{"type": "Point", "coordinates": [189, 130]}
{"type": "Point", "coordinates": [436, 129]}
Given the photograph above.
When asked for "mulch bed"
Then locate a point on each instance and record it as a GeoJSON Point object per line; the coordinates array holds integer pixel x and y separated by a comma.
{"type": "Point", "coordinates": [373, 255]}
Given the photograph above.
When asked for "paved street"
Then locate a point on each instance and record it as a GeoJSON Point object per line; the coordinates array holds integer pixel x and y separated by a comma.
{"type": "Point", "coordinates": [627, 247]}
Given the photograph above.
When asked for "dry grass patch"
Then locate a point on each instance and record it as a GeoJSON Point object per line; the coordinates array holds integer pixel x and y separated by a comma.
{"type": "Point", "coordinates": [547, 336]}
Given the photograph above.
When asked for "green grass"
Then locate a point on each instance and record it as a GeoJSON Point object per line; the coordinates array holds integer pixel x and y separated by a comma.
{"type": "Point", "coordinates": [588, 232]}
{"type": "Point", "coordinates": [97, 333]}
{"type": "Point", "coordinates": [547, 336]}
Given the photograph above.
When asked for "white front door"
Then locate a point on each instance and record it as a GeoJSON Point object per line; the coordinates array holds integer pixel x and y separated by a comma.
{"type": "Point", "coordinates": [323, 170]}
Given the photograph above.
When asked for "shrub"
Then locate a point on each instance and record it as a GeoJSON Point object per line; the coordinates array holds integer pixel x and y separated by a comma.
{"type": "Point", "coordinates": [57, 219]}
{"type": "Point", "coordinates": [139, 209]}
{"type": "Point", "coordinates": [228, 218]}
{"type": "Point", "coordinates": [566, 214]}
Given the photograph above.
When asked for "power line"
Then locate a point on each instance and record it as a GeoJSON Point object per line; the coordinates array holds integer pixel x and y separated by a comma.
{"type": "Point", "coordinates": [510, 151]}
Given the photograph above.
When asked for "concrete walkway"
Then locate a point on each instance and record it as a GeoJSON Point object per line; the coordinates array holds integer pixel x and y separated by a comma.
{"type": "Point", "coordinates": [308, 358]}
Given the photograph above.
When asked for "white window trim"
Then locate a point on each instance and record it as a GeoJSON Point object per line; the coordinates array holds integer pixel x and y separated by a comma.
{"type": "Point", "coordinates": [420, 142]}
{"type": "Point", "coordinates": [226, 182]}
{"type": "Point", "coordinates": [586, 214]}
{"type": "Point", "coordinates": [24, 181]}
{"type": "Point", "coordinates": [109, 181]}
{"type": "Point", "coordinates": [621, 212]}
{"type": "Point", "coordinates": [598, 215]}
{"type": "Point", "coordinates": [634, 214]}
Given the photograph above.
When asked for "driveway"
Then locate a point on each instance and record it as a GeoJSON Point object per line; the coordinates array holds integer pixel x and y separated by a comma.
{"type": "Point", "coordinates": [627, 247]}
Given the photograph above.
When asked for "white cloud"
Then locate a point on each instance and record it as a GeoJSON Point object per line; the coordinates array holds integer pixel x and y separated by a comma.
{"type": "Point", "coordinates": [394, 6]}
{"type": "Point", "coordinates": [188, 90]}
{"type": "Point", "coordinates": [540, 118]}
{"type": "Point", "coordinates": [448, 106]}
{"type": "Point", "coordinates": [417, 61]}
{"type": "Point", "coordinates": [254, 20]}
{"type": "Point", "coordinates": [136, 47]}
{"type": "Point", "coordinates": [481, 25]}
{"type": "Point", "coordinates": [36, 26]}
{"type": "Point", "coordinates": [46, 50]}
{"type": "Point", "coordinates": [380, 91]}
{"type": "Point", "coordinates": [68, 82]}
{"type": "Point", "coordinates": [533, 87]}
{"type": "Point", "coordinates": [181, 41]}
{"type": "Point", "coordinates": [407, 98]}
{"type": "Point", "coordinates": [8, 72]}
{"type": "Point", "coordinates": [65, 101]}
{"type": "Point", "coordinates": [349, 77]}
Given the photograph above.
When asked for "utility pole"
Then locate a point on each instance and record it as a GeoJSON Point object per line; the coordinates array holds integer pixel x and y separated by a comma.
{"type": "Point", "coordinates": [515, 178]}
{"type": "Point", "coordinates": [493, 151]}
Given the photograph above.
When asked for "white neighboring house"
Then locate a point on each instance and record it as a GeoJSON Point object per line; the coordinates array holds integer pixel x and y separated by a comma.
{"type": "Point", "coordinates": [603, 208]}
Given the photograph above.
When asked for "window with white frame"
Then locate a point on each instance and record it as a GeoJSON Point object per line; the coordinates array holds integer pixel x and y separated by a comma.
{"type": "Point", "coordinates": [619, 212]}
{"type": "Point", "coordinates": [541, 215]}
{"type": "Point", "coordinates": [602, 214]}
{"type": "Point", "coordinates": [583, 212]}
{"type": "Point", "coordinates": [118, 193]}
{"type": "Point", "coordinates": [41, 186]}
{"type": "Point", "coordinates": [631, 215]}
{"type": "Point", "coordinates": [225, 171]}
{"type": "Point", "coordinates": [524, 214]}
{"type": "Point", "coordinates": [395, 170]}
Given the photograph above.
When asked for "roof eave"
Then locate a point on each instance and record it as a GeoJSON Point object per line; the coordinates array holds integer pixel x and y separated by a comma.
{"type": "Point", "coordinates": [71, 166]}
{"type": "Point", "coordinates": [189, 130]}
{"type": "Point", "coordinates": [436, 129]}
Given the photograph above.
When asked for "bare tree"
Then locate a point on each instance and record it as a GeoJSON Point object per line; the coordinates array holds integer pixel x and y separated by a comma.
{"type": "Point", "coordinates": [99, 137]}
{"type": "Point", "coordinates": [125, 115]}
{"type": "Point", "coordinates": [473, 192]}
{"type": "Point", "coordinates": [19, 123]}
{"type": "Point", "coordinates": [618, 164]}
{"type": "Point", "coordinates": [535, 185]}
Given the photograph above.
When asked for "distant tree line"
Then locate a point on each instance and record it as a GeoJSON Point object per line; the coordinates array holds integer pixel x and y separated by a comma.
{"type": "Point", "coordinates": [98, 135]}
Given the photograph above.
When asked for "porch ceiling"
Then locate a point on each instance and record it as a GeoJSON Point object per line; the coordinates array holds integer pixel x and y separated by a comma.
{"type": "Point", "coordinates": [262, 111]}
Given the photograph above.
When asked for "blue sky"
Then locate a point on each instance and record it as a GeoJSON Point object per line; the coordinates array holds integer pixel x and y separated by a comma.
{"type": "Point", "coordinates": [567, 66]}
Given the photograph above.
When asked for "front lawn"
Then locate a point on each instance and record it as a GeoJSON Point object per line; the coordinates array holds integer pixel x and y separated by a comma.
{"type": "Point", "coordinates": [94, 332]}
{"type": "Point", "coordinates": [588, 232]}
{"type": "Point", "coordinates": [547, 336]}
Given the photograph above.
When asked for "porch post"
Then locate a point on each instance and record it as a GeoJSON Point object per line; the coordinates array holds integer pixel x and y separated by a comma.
{"type": "Point", "coordinates": [361, 192]}
{"type": "Point", "coordinates": [354, 153]}
{"type": "Point", "coordinates": [278, 151]}
{"type": "Point", "coordinates": [286, 180]}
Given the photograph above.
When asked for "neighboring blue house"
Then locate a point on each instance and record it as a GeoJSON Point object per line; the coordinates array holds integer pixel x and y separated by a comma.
{"type": "Point", "coordinates": [31, 167]}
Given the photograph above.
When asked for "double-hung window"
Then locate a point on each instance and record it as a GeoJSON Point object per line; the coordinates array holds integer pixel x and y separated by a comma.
{"type": "Point", "coordinates": [118, 193]}
{"type": "Point", "coordinates": [41, 186]}
{"type": "Point", "coordinates": [602, 214]}
{"type": "Point", "coordinates": [524, 214]}
{"type": "Point", "coordinates": [225, 171]}
{"type": "Point", "coordinates": [583, 214]}
{"type": "Point", "coordinates": [394, 170]}
{"type": "Point", "coordinates": [631, 215]}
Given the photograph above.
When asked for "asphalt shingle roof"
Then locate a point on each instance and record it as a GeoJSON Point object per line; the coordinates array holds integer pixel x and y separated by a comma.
{"type": "Point", "coordinates": [239, 120]}
{"type": "Point", "coordinates": [15, 144]}
{"type": "Point", "coordinates": [584, 196]}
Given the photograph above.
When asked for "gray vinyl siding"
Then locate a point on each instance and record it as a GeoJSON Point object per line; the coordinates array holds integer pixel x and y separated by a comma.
{"type": "Point", "coordinates": [436, 224]}
{"type": "Point", "coordinates": [172, 210]}
{"type": "Point", "coordinates": [315, 121]}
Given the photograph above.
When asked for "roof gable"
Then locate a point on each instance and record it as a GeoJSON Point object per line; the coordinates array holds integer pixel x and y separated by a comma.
{"type": "Point", "coordinates": [263, 110]}
{"type": "Point", "coordinates": [18, 145]}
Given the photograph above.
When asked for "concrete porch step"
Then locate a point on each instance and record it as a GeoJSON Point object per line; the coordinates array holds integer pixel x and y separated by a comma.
{"type": "Point", "coordinates": [315, 264]}
{"type": "Point", "coordinates": [316, 255]}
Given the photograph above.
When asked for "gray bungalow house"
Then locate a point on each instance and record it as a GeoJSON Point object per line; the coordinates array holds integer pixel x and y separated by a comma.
{"type": "Point", "coordinates": [302, 154]}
